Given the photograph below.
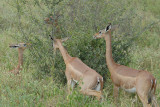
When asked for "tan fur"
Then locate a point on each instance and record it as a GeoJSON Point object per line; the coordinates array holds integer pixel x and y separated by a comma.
{"type": "Point", "coordinates": [21, 49]}
{"type": "Point", "coordinates": [76, 70]}
{"type": "Point", "coordinates": [128, 78]}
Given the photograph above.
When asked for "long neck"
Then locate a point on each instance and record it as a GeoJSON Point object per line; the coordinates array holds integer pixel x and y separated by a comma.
{"type": "Point", "coordinates": [20, 57]}
{"type": "Point", "coordinates": [64, 53]}
{"type": "Point", "coordinates": [109, 59]}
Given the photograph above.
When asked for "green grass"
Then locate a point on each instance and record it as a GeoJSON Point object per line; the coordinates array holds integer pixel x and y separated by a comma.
{"type": "Point", "coordinates": [29, 89]}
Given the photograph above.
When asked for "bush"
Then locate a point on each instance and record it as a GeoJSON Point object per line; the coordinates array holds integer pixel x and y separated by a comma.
{"type": "Point", "coordinates": [79, 20]}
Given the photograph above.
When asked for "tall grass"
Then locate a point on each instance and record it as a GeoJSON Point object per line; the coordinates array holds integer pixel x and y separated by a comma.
{"type": "Point", "coordinates": [40, 83]}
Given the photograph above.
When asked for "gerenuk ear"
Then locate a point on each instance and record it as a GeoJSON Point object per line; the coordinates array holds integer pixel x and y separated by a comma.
{"type": "Point", "coordinates": [108, 27]}
{"type": "Point", "coordinates": [13, 46]}
{"type": "Point", "coordinates": [52, 38]}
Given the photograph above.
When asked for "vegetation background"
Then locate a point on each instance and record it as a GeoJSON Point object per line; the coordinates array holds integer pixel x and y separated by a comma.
{"type": "Point", "coordinates": [42, 82]}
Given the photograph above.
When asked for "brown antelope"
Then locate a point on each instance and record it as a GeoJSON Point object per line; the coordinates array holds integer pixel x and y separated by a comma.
{"type": "Point", "coordinates": [131, 80]}
{"type": "Point", "coordinates": [89, 80]}
{"type": "Point", "coordinates": [21, 47]}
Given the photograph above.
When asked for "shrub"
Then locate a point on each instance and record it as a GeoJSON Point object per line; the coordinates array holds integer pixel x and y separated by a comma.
{"type": "Point", "coordinates": [79, 20]}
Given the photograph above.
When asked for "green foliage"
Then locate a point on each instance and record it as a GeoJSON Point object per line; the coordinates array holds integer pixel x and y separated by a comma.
{"type": "Point", "coordinates": [80, 20]}
{"type": "Point", "coordinates": [42, 82]}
